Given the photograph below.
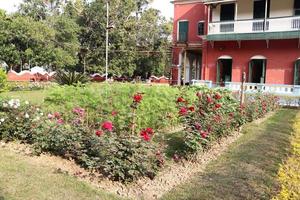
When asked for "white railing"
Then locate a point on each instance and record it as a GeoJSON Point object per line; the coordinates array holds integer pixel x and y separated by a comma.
{"type": "Point", "coordinates": [202, 83]}
{"type": "Point", "coordinates": [255, 26]}
{"type": "Point", "coordinates": [288, 90]}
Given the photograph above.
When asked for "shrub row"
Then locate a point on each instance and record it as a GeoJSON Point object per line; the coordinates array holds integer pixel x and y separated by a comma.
{"type": "Point", "coordinates": [114, 134]}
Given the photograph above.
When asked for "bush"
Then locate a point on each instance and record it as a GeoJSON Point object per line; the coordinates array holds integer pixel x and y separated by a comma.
{"type": "Point", "coordinates": [18, 120]}
{"type": "Point", "coordinates": [121, 153]}
{"type": "Point", "coordinates": [216, 114]}
{"type": "Point", "coordinates": [3, 81]}
{"type": "Point", "coordinates": [70, 78]}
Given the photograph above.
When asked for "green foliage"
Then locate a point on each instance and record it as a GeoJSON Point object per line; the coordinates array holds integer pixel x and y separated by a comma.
{"type": "Point", "coordinates": [77, 34]}
{"type": "Point", "coordinates": [70, 78]}
{"type": "Point", "coordinates": [18, 120]}
{"type": "Point", "coordinates": [215, 114]}
{"type": "Point", "coordinates": [3, 81]}
{"type": "Point", "coordinates": [157, 110]}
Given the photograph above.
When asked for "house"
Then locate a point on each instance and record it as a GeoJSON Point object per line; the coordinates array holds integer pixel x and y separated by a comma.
{"type": "Point", "coordinates": [220, 40]}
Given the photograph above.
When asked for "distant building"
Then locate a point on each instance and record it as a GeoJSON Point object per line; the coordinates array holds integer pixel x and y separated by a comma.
{"type": "Point", "coordinates": [219, 40]}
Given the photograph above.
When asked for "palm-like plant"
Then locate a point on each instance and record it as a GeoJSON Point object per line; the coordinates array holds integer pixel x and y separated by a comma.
{"type": "Point", "coordinates": [70, 78]}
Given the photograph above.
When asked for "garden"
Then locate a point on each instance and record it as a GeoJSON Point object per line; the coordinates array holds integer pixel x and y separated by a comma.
{"type": "Point", "coordinates": [123, 131]}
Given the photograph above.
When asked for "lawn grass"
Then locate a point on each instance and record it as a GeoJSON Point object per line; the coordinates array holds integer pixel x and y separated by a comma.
{"type": "Point", "coordinates": [23, 180]}
{"type": "Point", "coordinates": [249, 168]}
{"type": "Point", "coordinates": [36, 96]}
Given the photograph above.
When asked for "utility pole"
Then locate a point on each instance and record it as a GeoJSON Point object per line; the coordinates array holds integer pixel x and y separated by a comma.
{"type": "Point", "coordinates": [107, 29]}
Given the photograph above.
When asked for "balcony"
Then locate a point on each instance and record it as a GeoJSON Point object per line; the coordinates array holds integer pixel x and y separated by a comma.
{"type": "Point", "coordinates": [282, 24]}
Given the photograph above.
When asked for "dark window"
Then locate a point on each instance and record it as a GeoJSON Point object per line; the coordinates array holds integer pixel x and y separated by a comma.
{"type": "Point", "coordinates": [201, 28]}
{"type": "Point", "coordinates": [183, 31]}
{"type": "Point", "coordinates": [259, 9]}
{"type": "Point", "coordinates": [227, 12]}
{"type": "Point", "coordinates": [297, 7]}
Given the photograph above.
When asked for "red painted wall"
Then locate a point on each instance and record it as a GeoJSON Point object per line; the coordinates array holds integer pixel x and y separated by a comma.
{"type": "Point", "coordinates": [193, 12]}
{"type": "Point", "coordinates": [280, 55]}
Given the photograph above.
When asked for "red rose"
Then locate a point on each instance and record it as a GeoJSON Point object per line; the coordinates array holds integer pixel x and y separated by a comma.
{"type": "Point", "coordinates": [150, 131]}
{"type": "Point", "coordinates": [204, 134]}
{"type": "Point", "coordinates": [114, 113]}
{"type": "Point", "coordinates": [218, 96]}
{"type": "Point", "coordinates": [199, 94]}
{"type": "Point", "coordinates": [231, 114]}
{"type": "Point", "coordinates": [198, 126]}
{"type": "Point", "coordinates": [209, 99]}
{"type": "Point", "coordinates": [60, 121]}
{"type": "Point", "coordinates": [217, 106]}
{"type": "Point", "coordinates": [180, 100]}
{"type": "Point", "coordinates": [99, 133]}
{"type": "Point", "coordinates": [107, 126]}
{"type": "Point", "coordinates": [183, 111]}
{"type": "Point", "coordinates": [57, 115]}
{"type": "Point", "coordinates": [137, 98]}
{"type": "Point", "coordinates": [145, 135]}
{"type": "Point", "coordinates": [192, 108]}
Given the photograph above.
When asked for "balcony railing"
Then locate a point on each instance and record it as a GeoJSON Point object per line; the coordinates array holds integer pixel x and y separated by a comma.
{"type": "Point", "coordinates": [256, 26]}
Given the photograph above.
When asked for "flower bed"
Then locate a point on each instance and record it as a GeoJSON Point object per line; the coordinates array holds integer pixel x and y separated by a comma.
{"type": "Point", "coordinates": [117, 134]}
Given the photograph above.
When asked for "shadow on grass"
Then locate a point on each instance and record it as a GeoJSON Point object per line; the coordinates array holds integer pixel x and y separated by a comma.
{"type": "Point", "coordinates": [248, 170]}
{"type": "Point", "coordinates": [175, 144]}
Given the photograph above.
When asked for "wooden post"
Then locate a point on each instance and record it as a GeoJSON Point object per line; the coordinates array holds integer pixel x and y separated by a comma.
{"type": "Point", "coordinates": [242, 100]}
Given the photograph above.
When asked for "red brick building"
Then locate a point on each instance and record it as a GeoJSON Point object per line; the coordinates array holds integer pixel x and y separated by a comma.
{"type": "Point", "coordinates": [219, 40]}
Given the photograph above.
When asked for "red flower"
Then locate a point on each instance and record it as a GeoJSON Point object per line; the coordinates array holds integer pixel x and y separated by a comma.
{"type": "Point", "coordinates": [199, 94]}
{"type": "Point", "coordinates": [99, 133]}
{"type": "Point", "coordinates": [57, 115]}
{"type": "Point", "coordinates": [231, 114]}
{"type": "Point", "coordinates": [60, 121]}
{"type": "Point", "coordinates": [183, 111]}
{"type": "Point", "coordinates": [150, 131]}
{"type": "Point", "coordinates": [204, 134]}
{"type": "Point", "coordinates": [107, 126]}
{"type": "Point", "coordinates": [114, 113]}
{"type": "Point", "coordinates": [217, 106]}
{"type": "Point", "coordinates": [198, 126]}
{"type": "Point", "coordinates": [180, 100]}
{"type": "Point", "coordinates": [217, 96]}
{"type": "Point", "coordinates": [137, 98]}
{"type": "Point", "coordinates": [192, 108]}
{"type": "Point", "coordinates": [146, 134]}
{"type": "Point", "coordinates": [209, 99]}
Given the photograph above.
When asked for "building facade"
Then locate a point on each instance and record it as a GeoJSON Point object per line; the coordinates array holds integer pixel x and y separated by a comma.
{"type": "Point", "coordinates": [220, 40]}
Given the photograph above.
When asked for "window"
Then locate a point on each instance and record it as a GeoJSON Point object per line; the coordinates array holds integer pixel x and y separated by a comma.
{"type": "Point", "coordinates": [297, 7]}
{"type": "Point", "coordinates": [201, 28]}
{"type": "Point", "coordinates": [183, 28]}
{"type": "Point", "coordinates": [227, 12]}
{"type": "Point", "coordinates": [259, 9]}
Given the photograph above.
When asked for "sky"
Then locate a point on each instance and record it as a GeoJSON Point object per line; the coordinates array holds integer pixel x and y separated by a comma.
{"type": "Point", "coordinates": [164, 6]}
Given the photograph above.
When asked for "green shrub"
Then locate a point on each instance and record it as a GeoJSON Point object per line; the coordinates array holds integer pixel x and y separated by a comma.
{"type": "Point", "coordinates": [216, 114]}
{"type": "Point", "coordinates": [3, 81]}
{"type": "Point", "coordinates": [70, 78]}
{"type": "Point", "coordinates": [18, 120]}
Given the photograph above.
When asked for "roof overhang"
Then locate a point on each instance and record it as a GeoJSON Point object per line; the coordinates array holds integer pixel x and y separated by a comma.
{"type": "Point", "coordinates": [254, 36]}
{"type": "Point", "coordinates": [217, 1]}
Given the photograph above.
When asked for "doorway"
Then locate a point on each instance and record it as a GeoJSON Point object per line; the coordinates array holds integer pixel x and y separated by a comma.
{"type": "Point", "coordinates": [257, 71]}
{"type": "Point", "coordinates": [259, 12]}
{"type": "Point", "coordinates": [227, 13]}
{"type": "Point", "coordinates": [224, 71]}
{"type": "Point", "coordinates": [297, 73]}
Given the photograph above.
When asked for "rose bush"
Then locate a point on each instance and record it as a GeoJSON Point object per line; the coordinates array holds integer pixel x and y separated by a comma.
{"type": "Point", "coordinates": [216, 113]}
{"type": "Point", "coordinates": [120, 153]}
